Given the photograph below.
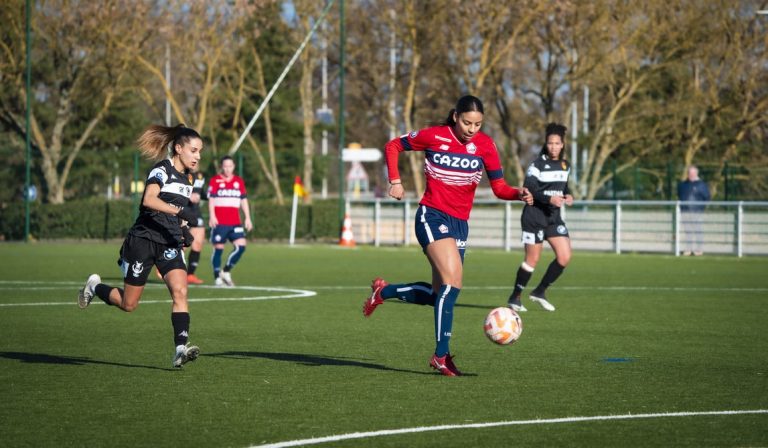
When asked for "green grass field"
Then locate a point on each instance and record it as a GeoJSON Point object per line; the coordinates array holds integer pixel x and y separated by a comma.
{"type": "Point", "coordinates": [633, 335]}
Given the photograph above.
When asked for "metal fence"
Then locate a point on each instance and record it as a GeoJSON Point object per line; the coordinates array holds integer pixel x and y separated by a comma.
{"type": "Point", "coordinates": [738, 228]}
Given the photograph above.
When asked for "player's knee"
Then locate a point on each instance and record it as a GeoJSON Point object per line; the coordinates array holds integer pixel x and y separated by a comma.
{"type": "Point", "coordinates": [179, 292]}
{"type": "Point", "coordinates": [564, 258]}
{"type": "Point", "coordinates": [129, 307]}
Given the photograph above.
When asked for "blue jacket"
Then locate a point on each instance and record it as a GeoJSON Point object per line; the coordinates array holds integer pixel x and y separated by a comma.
{"type": "Point", "coordinates": [696, 190]}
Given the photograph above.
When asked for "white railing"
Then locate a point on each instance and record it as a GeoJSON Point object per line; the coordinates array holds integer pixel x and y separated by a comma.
{"type": "Point", "coordinates": [739, 228]}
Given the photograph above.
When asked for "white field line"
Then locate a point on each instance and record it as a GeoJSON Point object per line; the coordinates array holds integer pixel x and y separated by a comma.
{"type": "Point", "coordinates": [6, 285]}
{"type": "Point", "coordinates": [284, 293]}
{"type": "Point", "coordinates": [390, 432]}
{"type": "Point", "coordinates": [290, 293]}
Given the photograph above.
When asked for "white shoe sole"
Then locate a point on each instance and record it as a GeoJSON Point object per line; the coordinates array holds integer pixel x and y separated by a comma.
{"type": "Point", "coordinates": [517, 308]}
{"type": "Point", "coordinates": [544, 304]}
{"type": "Point", "coordinates": [82, 300]}
{"type": "Point", "coordinates": [190, 354]}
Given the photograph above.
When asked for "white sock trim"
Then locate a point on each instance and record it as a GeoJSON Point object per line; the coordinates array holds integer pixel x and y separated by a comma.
{"type": "Point", "coordinates": [526, 267]}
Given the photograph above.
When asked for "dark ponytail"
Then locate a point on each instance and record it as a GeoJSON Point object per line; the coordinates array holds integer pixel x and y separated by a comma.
{"type": "Point", "coordinates": [467, 103]}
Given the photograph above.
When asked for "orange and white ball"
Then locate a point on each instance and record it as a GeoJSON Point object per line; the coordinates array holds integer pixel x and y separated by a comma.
{"type": "Point", "coordinates": [503, 326]}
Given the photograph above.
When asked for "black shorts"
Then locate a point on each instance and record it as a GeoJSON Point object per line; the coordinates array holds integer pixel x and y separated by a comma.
{"type": "Point", "coordinates": [538, 226]}
{"type": "Point", "coordinates": [198, 221]}
{"type": "Point", "coordinates": [138, 255]}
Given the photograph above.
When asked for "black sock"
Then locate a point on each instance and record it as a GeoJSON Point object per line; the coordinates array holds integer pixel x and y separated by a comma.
{"type": "Point", "coordinates": [553, 272]}
{"type": "Point", "coordinates": [102, 291]}
{"type": "Point", "coordinates": [180, 323]}
{"type": "Point", "coordinates": [194, 259]}
{"type": "Point", "coordinates": [521, 281]}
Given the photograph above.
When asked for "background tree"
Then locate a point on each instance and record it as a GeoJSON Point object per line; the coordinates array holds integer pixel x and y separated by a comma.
{"type": "Point", "coordinates": [79, 70]}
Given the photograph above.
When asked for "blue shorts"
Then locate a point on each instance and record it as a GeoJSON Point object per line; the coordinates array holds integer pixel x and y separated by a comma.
{"type": "Point", "coordinates": [433, 225]}
{"type": "Point", "coordinates": [220, 234]}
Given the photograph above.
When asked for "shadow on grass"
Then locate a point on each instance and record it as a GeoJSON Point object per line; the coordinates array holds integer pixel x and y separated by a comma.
{"type": "Point", "coordinates": [314, 361]}
{"type": "Point", "coordinates": [42, 358]}
{"type": "Point", "coordinates": [472, 305]}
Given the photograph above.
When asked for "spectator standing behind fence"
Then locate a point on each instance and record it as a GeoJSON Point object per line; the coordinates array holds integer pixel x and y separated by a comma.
{"type": "Point", "coordinates": [693, 189]}
{"type": "Point", "coordinates": [226, 198]}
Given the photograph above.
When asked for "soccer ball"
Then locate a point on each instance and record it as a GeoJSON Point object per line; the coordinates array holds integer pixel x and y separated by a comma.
{"type": "Point", "coordinates": [503, 326]}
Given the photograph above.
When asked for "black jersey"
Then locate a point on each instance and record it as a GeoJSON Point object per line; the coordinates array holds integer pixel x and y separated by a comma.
{"type": "Point", "coordinates": [198, 182]}
{"type": "Point", "coordinates": [175, 189]}
{"type": "Point", "coordinates": [545, 178]}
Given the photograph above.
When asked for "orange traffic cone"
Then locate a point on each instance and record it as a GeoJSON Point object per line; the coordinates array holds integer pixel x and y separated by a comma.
{"type": "Point", "coordinates": [347, 238]}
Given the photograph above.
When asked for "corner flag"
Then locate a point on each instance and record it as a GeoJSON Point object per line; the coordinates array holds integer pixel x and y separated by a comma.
{"type": "Point", "coordinates": [298, 187]}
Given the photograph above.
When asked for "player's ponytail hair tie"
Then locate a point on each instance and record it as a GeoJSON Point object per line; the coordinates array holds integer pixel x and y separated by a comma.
{"type": "Point", "coordinates": [182, 136]}
{"type": "Point", "coordinates": [466, 103]}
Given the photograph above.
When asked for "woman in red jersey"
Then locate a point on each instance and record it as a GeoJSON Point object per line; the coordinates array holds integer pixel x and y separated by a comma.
{"type": "Point", "coordinates": [227, 197]}
{"type": "Point", "coordinates": [456, 153]}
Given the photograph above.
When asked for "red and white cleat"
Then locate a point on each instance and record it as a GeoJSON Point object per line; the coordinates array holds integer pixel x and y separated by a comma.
{"type": "Point", "coordinates": [374, 299]}
{"type": "Point", "coordinates": [440, 363]}
{"type": "Point", "coordinates": [449, 363]}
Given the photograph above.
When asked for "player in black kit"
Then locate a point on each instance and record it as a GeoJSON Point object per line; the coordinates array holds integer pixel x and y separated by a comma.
{"type": "Point", "coordinates": [157, 237]}
{"type": "Point", "coordinates": [196, 226]}
{"type": "Point", "coordinates": [547, 180]}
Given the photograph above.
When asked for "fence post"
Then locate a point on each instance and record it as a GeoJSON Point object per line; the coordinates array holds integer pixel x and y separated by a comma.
{"type": "Point", "coordinates": [740, 229]}
{"type": "Point", "coordinates": [617, 228]}
{"type": "Point", "coordinates": [406, 221]}
{"type": "Point", "coordinates": [677, 228]}
{"type": "Point", "coordinates": [377, 222]}
{"type": "Point", "coordinates": [507, 219]}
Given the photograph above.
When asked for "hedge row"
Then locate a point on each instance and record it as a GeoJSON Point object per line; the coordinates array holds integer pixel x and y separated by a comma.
{"type": "Point", "coordinates": [102, 219]}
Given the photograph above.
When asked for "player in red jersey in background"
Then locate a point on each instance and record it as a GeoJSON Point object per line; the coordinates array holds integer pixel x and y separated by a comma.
{"type": "Point", "coordinates": [226, 197]}
{"type": "Point", "coordinates": [456, 153]}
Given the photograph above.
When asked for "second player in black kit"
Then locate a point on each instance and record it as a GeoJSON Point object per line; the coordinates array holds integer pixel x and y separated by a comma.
{"type": "Point", "coordinates": [547, 180]}
{"type": "Point", "coordinates": [159, 234]}
{"type": "Point", "coordinates": [196, 225]}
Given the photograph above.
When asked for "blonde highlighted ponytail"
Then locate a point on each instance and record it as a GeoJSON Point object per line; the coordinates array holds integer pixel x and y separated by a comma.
{"type": "Point", "coordinates": [157, 142]}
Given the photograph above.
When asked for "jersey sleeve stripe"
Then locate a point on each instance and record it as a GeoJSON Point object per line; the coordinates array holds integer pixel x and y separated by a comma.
{"type": "Point", "coordinates": [406, 144]}
{"type": "Point", "coordinates": [495, 174]}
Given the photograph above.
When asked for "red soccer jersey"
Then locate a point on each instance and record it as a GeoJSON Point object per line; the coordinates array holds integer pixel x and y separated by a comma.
{"type": "Point", "coordinates": [225, 196]}
{"type": "Point", "coordinates": [453, 169]}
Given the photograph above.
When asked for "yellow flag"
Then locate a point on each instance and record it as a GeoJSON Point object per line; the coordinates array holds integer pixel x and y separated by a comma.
{"type": "Point", "coordinates": [298, 188]}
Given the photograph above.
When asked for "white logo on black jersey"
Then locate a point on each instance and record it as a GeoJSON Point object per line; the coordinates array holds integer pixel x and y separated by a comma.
{"type": "Point", "coordinates": [170, 254]}
{"type": "Point", "coordinates": [137, 268]}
